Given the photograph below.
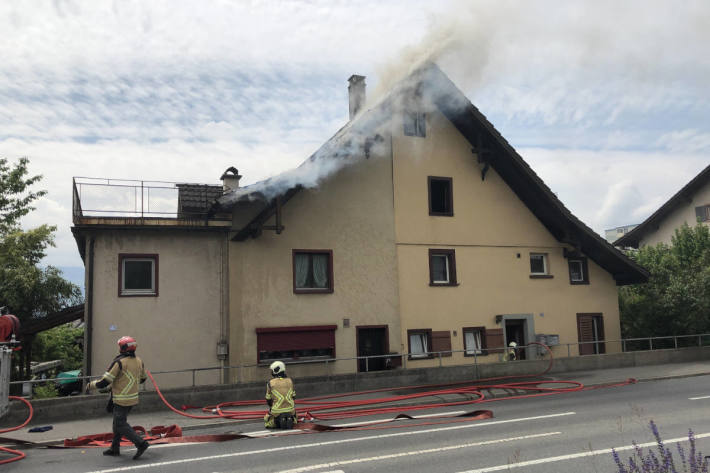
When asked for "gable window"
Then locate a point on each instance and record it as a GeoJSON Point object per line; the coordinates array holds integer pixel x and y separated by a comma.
{"type": "Point", "coordinates": [441, 202]}
{"type": "Point", "coordinates": [312, 271]}
{"type": "Point", "coordinates": [474, 340]}
{"type": "Point", "coordinates": [538, 266]}
{"type": "Point", "coordinates": [414, 124]}
{"type": "Point", "coordinates": [137, 275]}
{"type": "Point", "coordinates": [442, 267]}
{"type": "Point", "coordinates": [702, 213]}
{"type": "Point", "coordinates": [419, 343]}
{"type": "Point", "coordinates": [578, 273]}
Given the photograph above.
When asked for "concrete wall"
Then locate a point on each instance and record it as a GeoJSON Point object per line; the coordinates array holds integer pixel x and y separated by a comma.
{"type": "Point", "coordinates": [350, 213]}
{"type": "Point", "coordinates": [179, 328]}
{"type": "Point", "coordinates": [493, 234]}
{"type": "Point", "coordinates": [85, 407]}
{"type": "Point", "coordinates": [684, 213]}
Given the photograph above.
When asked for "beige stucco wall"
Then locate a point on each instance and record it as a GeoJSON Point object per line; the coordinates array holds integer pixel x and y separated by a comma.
{"type": "Point", "coordinates": [684, 213]}
{"type": "Point", "coordinates": [179, 328]}
{"type": "Point", "coordinates": [489, 229]}
{"type": "Point", "coordinates": [350, 213]}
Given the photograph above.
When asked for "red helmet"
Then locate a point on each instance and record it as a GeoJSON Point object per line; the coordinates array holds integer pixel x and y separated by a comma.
{"type": "Point", "coordinates": [126, 344]}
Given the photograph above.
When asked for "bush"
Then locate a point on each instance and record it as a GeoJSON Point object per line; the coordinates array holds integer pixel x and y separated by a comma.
{"type": "Point", "coordinates": [43, 392]}
{"type": "Point", "coordinates": [663, 461]}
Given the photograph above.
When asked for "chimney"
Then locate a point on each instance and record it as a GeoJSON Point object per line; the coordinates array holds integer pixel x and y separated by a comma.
{"type": "Point", "coordinates": [356, 90]}
{"type": "Point", "coordinates": [230, 179]}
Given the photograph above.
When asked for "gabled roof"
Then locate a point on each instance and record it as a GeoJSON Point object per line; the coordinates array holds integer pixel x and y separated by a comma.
{"type": "Point", "coordinates": [434, 87]}
{"type": "Point", "coordinates": [196, 199]}
{"type": "Point", "coordinates": [633, 238]}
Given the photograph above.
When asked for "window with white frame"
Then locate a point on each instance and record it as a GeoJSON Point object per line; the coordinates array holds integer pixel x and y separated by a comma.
{"type": "Point", "coordinates": [312, 271]}
{"type": "Point", "coordinates": [578, 273]}
{"type": "Point", "coordinates": [414, 124]}
{"type": "Point", "coordinates": [474, 339]}
{"type": "Point", "coordinates": [419, 343]}
{"type": "Point", "coordinates": [538, 264]}
{"type": "Point", "coordinates": [138, 275]}
{"type": "Point", "coordinates": [442, 267]}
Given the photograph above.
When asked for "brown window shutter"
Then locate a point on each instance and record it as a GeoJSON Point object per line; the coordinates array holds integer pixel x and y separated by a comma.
{"type": "Point", "coordinates": [585, 332]}
{"type": "Point", "coordinates": [441, 341]}
{"type": "Point", "coordinates": [494, 340]}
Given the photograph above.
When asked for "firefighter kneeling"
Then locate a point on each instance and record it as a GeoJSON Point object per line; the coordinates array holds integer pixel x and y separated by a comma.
{"type": "Point", "coordinates": [279, 396]}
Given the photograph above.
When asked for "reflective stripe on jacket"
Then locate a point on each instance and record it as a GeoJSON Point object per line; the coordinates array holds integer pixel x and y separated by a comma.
{"type": "Point", "coordinates": [281, 392]}
{"type": "Point", "coordinates": [124, 375]}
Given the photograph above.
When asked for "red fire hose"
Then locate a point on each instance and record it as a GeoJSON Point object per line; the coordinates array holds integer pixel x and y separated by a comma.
{"type": "Point", "coordinates": [18, 455]}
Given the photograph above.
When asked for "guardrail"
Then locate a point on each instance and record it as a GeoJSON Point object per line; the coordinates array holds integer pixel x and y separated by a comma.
{"type": "Point", "coordinates": [646, 344]}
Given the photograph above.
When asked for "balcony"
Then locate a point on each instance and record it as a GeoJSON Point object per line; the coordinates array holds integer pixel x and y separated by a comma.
{"type": "Point", "coordinates": [122, 202]}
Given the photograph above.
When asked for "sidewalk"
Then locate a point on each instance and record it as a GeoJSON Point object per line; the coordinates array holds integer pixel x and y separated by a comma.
{"type": "Point", "coordinates": [72, 429]}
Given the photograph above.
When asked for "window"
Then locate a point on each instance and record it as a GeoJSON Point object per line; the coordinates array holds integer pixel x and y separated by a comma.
{"type": "Point", "coordinates": [538, 265]}
{"type": "Point", "coordinates": [442, 267]}
{"type": "Point", "coordinates": [578, 273]}
{"type": "Point", "coordinates": [590, 333]}
{"type": "Point", "coordinates": [415, 124]}
{"type": "Point", "coordinates": [474, 341]}
{"type": "Point", "coordinates": [295, 343]}
{"type": "Point", "coordinates": [441, 201]}
{"type": "Point", "coordinates": [137, 275]}
{"type": "Point", "coordinates": [419, 343]}
{"type": "Point", "coordinates": [312, 271]}
{"type": "Point", "coordinates": [702, 213]}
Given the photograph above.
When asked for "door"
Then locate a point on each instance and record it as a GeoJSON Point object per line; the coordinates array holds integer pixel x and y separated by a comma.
{"type": "Point", "coordinates": [590, 328]}
{"type": "Point", "coordinates": [372, 341]}
{"type": "Point", "coordinates": [515, 332]}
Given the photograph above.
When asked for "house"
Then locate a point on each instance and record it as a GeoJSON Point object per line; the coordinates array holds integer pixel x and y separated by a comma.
{"type": "Point", "coordinates": [613, 234]}
{"type": "Point", "coordinates": [416, 230]}
{"type": "Point", "coordinates": [689, 205]}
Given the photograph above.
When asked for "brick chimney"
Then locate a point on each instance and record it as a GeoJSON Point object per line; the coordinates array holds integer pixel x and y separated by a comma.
{"type": "Point", "coordinates": [356, 90]}
{"type": "Point", "coordinates": [230, 179]}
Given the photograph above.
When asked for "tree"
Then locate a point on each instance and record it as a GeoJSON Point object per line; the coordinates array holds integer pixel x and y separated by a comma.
{"type": "Point", "coordinates": [27, 289]}
{"type": "Point", "coordinates": [676, 298]}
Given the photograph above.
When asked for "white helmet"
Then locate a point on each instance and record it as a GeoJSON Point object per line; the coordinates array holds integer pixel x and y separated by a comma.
{"type": "Point", "coordinates": [512, 344]}
{"type": "Point", "coordinates": [277, 368]}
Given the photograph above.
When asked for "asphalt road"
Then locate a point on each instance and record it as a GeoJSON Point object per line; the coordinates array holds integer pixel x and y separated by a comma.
{"type": "Point", "coordinates": [561, 433]}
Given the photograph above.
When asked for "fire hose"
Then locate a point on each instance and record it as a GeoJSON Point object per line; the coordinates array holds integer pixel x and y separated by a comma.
{"type": "Point", "coordinates": [17, 454]}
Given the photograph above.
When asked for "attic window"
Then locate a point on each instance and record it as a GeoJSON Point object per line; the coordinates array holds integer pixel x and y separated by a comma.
{"type": "Point", "coordinates": [415, 124]}
{"type": "Point", "coordinates": [441, 202]}
{"type": "Point", "coordinates": [703, 213]}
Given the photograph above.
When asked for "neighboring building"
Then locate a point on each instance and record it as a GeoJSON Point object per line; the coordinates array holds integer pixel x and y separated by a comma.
{"type": "Point", "coordinates": [614, 234]}
{"type": "Point", "coordinates": [689, 205]}
{"type": "Point", "coordinates": [424, 231]}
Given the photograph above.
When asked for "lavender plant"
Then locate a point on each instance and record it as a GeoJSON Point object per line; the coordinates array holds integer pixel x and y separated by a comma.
{"type": "Point", "coordinates": [662, 461]}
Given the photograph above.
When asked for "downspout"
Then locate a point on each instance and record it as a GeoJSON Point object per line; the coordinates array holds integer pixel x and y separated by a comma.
{"type": "Point", "coordinates": [88, 315]}
{"type": "Point", "coordinates": [224, 309]}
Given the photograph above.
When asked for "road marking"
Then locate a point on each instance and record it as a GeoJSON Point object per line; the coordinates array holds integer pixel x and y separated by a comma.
{"type": "Point", "coordinates": [331, 442]}
{"type": "Point", "coordinates": [572, 456]}
{"type": "Point", "coordinates": [416, 452]}
{"type": "Point", "coordinates": [699, 397]}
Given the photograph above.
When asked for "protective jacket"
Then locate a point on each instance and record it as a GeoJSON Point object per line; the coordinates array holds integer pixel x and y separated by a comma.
{"type": "Point", "coordinates": [124, 374]}
{"type": "Point", "coordinates": [280, 394]}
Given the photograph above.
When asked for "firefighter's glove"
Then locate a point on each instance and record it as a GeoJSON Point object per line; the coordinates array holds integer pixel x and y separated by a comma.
{"type": "Point", "coordinates": [90, 387]}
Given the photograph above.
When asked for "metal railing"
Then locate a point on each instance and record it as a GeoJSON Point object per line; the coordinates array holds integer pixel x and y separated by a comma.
{"type": "Point", "coordinates": [103, 197]}
{"type": "Point", "coordinates": [533, 351]}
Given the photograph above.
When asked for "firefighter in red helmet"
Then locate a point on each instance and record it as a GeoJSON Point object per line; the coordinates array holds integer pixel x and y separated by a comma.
{"type": "Point", "coordinates": [123, 375]}
{"type": "Point", "coordinates": [280, 394]}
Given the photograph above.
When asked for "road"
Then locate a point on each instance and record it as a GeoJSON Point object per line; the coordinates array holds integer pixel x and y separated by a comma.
{"type": "Point", "coordinates": [561, 433]}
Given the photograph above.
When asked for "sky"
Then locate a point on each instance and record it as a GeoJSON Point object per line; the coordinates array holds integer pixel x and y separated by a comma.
{"type": "Point", "coordinates": [609, 102]}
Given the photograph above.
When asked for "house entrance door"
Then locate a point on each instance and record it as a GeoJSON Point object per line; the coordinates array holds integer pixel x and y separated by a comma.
{"type": "Point", "coordinates": [372, 341]}
{"type": "Point", "coordinates": [590, 328]}
{"type": "Point", "coordinates": [515, 332]}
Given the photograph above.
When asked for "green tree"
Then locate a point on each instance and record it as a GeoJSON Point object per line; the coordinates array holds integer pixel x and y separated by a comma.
{"type": "Point", "coordinates": [59, 343]}
{"type": "Point", "coordinates": [676, 298]}
{"type": "Point", "coordinates": [27, 289]}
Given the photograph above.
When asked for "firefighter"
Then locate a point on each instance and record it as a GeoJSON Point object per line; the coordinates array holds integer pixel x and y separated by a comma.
{"type": "Point", "coordinates": [512, 353]}
{"type": "Point", "coordinates": [123, 374]}
{"type": "Point", "coordinates": [279, 396]}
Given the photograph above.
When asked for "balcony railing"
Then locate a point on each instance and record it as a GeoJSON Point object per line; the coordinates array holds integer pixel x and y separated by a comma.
{"type": "Point", "coordinates": [132, 199]}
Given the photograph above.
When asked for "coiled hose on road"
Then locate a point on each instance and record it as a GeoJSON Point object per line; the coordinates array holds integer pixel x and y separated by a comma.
{"type": "Point", "coordinates": [17, 454]}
